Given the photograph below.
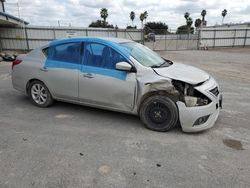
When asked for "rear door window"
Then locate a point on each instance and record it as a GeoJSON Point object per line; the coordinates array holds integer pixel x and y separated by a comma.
{"type": "Point", "coordinates": [69, 52]}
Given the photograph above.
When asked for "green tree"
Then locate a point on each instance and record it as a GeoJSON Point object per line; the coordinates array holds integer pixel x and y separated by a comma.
{"type": "Point", "coordinates": [223, 13]}
{"type": "Point", "coordinates": [131, 27]}
{"type": "Point", "coordinates": [186, 15]}
{"type": "Point", "coordinates": [100, 24]}
{"type": "Point", "coordinates": [132, 17]}
{"type": "Point", "coordinates": [189, 23]}
{"type": "Point", "coordinates": [156, 27]}
{"type": "Point", "coordinates": [184, 30]}
{"type": "Point", "coordinates": [203, 14]}
{"type": "Point", "coordinates": [197, 23]}
{"type": "Point", "coordinates": [104, 14]}
{"type": "Point", "coordinates": [142, 18]}
{"type": "Point", "coordinates": [145, 14]}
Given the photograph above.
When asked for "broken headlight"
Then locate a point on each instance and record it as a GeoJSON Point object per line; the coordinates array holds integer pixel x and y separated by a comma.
{"type": "Point", "coordinates": [191, 101]}
{"type": "Point", "coordinates": [189, 95]}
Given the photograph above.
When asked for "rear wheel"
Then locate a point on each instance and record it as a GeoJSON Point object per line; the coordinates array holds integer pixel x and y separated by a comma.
{"type": "Point", "coordinates": [159, 113]}
{"type": "Point", "coordinates": [39, 94]}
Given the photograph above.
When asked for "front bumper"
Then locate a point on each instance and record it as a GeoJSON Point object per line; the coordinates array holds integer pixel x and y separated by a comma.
{"type": "Point", "coordinates": [189, 115]}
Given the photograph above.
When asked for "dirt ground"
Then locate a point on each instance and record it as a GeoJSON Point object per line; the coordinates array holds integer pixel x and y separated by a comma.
{"type": "Point", "coordinates": [75, 146]}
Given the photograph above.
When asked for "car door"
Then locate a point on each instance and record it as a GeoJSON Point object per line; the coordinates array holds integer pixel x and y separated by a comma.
{"type": "Point", "coordinates": [61, 70]}
{"type": "Point", "coordinates": [99, 81]}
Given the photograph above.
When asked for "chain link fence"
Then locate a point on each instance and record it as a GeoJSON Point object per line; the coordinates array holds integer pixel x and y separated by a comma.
{"type": "Point", "coordinates": [203, 38]}
{"type": "Point", "coordinates": [170, 40]}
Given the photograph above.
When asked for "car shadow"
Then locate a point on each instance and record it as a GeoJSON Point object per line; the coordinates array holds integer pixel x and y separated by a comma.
{"type": "Point", "coordinates": [107, 115]}
{"type": "Point", "coordinates": [102, 114]}
{"type": "Point", "coordinates": [98, 115]}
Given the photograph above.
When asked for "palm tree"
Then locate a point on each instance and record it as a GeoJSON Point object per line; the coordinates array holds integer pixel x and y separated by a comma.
{"type": "Point", "coordinates": [132, 17]}
{"type": "Point", "coordinates": [142, 18]}
{"type": "Point", "coordinates": [104, 14]}
{"type": "Point", "coordinates": [145, 15]}
{"type": "Point", "coordinates": [203, 14]}
{"type": "Point", "coordinates": [223, 13]}
{"type": "Point", "coordinates": [197, 23]}
{"type": "Point", "coordinates": [186, 15]}
{"type": "Point", "coordinates": [189, 23]}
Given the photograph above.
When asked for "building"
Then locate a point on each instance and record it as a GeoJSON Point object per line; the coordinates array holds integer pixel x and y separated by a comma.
{"type": "Point", "coordinates": [7, 19]}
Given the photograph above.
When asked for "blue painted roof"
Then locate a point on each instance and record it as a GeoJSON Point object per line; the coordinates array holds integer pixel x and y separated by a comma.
{"type": "Point", "coordinates": [90, 39]}
{"type": "Point", "coordinates": [13, 17]}
{"type": "Point", "coordinates": [112, 42]}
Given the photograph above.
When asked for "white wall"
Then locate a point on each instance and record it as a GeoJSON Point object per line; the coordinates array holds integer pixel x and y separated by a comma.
{"type": "Point", "coordinates": [15, 38]}
{"type": "Point", "coordinates": [224, 37]}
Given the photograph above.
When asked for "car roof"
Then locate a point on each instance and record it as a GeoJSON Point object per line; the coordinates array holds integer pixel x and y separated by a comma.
{"type": "Point", "coordinates": [90, 39]}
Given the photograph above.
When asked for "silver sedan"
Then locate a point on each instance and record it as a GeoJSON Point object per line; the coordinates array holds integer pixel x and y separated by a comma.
{"type": "Point", "coordinates": [119, 75]}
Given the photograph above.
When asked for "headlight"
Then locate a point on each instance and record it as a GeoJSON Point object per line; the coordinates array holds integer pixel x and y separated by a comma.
{"type": "Point", "coordinates": [195, 101]}
{"type": "Point", "coordinates": [190, 101]}
{"type": "Point", "coordinates": [190, 95]}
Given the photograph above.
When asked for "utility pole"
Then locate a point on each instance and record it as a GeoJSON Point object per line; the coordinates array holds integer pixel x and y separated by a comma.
{"type": "Point", "coordinates": [2, 2]}
{"type": "Point", "coordinates": [23, 27]}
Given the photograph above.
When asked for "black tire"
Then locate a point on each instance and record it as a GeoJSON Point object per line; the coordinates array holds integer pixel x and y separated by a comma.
{"type": "Point", "coordinates": [159, 113]}
{"type": "Point", "coordinates": [45, 92]}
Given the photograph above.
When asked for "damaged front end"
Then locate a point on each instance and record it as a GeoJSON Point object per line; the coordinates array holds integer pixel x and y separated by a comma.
{"type": "Point", "coordinates": [198, 104]}
{"type": "Point", "coordinates": [189, 95]}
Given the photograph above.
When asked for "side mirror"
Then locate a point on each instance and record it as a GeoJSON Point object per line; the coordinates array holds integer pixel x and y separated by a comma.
{"type": "Point", "coordinates": [124, 66]}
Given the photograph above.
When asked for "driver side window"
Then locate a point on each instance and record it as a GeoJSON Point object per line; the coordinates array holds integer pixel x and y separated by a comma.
{"type": "Point", "coordinates": [100, 55]}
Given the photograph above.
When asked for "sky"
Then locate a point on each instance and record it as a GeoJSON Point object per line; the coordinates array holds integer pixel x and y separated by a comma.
{"type": "Point", "coordinates": [80, 13]}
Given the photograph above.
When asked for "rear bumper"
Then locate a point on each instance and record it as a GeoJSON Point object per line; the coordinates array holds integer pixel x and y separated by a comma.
{"type": "Point", "coordinates": [17, 82]}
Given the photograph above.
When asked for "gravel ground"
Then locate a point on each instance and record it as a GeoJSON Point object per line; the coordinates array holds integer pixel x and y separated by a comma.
{"type": "Point", "coordinates": [74, 146]}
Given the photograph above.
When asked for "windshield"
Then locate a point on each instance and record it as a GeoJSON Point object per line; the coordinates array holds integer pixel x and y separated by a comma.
{"type": "Point", "coordinates": [144, 55]}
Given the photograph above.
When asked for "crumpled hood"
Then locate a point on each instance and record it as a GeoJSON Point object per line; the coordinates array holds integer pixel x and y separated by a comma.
{"type": "Point", "coordinates": [185, 73]}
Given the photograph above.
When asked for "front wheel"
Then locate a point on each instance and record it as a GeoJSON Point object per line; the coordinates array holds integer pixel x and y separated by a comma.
{"type": "Point", "coordinates": [39, 94]}
{"type": "Point", "coordinates": [159, 113]}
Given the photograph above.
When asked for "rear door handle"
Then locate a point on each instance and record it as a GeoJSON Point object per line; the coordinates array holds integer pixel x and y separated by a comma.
{"type": "Point", "coordinates": [88, 75]}
{"type": "Point", "coordinates": [44, 69]}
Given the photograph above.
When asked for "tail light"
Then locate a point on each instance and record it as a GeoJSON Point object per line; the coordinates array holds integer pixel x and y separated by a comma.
{"type": "Point", "coordinates": [16, 62]}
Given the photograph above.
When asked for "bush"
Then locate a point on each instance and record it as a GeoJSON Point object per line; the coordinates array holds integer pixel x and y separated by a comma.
{"type": "Point", "coordinates": [184, 29]}
{"type": "Point", "coordinates": [101, 24]}
{"type": "Point", "coordinates": [158, 28]}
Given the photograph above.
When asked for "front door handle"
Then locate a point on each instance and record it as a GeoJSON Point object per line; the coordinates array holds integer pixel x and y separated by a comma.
{"type": "Point", "coordinates": [88, 75]}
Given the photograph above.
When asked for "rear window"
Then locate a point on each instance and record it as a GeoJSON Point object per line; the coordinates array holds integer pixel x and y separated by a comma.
{"type": "Point", "coordinates": [45, 51]}
{"type": "Point", "coordinates": [69, 52]}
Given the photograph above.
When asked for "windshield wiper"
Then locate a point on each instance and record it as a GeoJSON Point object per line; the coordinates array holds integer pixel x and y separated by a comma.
{"type": "Point", "coordinates": [155, 66]}
{"type": "Point", "coordinates": [164, 63]}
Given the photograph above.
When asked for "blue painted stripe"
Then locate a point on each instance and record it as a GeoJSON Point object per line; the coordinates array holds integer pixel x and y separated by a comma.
{"type": "Point", "coordinates": [60, 64]}
{"type": "Point", "coordinates": [121, 75]}
{"type": "Point", "coordinates": [105, 72]}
